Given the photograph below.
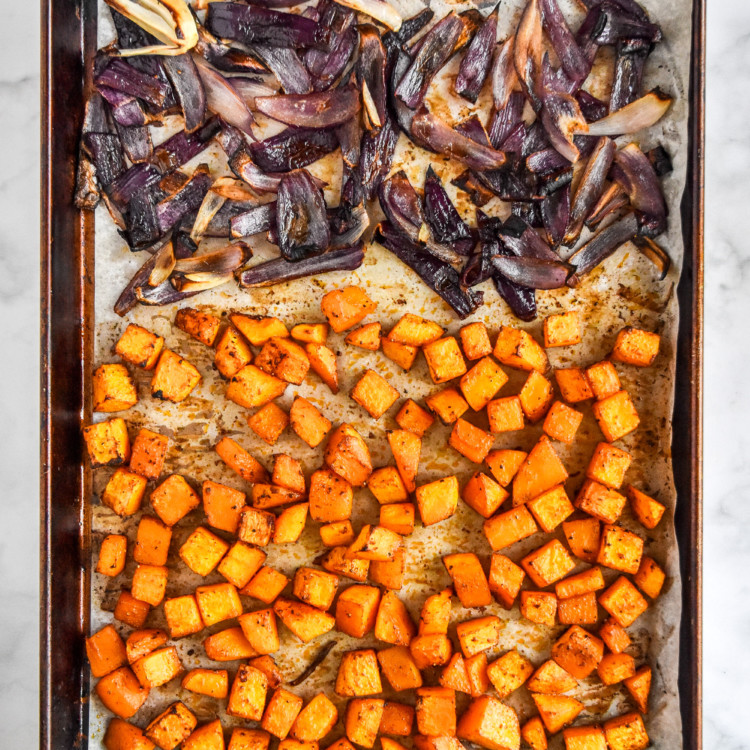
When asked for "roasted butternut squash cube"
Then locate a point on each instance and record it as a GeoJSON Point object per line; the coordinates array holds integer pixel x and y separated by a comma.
{"type": "Point", "coordinates": [551, 679]}
{"type": "Point", "coordinates": [130, 610]}
{"type": "Point", "coordinates": [475, 341]}
{"type": "Point", "coordinates": [548, 563]}
{"type": "Point", "coordinates": [616, 416]}
{"type": "Point", "coordinates": [505, 414]}
{"type": "Point", "coordinates": [121, 693]}
{"type": "Point", "coordinates": [539, 607]}
{"type": "Point", "coordinates": [402, 354]}
{"type": "Point", "coordinates": [315, 720]}
{"type": "Point", "coordinates": [249, 739]}
{"type": "Point", "coordinates": [399, 668]}
{"type": "Point", "coordinates": [266, 496]}
{"type": "Point", "coordinates": [108, 443]}
{"type": "Point", "coordinates": [584, 738]}
{"type": "Point", "coordinates": [581, 583]}
{"type": "Point", "coordinates": [284, 359]}
{"type": "Point", "coordinates": [336, 561]}
{"type": "Point", "coordinates": [356, 610]}
{"type": "Point", "coordinates": [448, 404]}
{"type": "Point", "coordinates": [599, 501]}
{"type": "Point", "coordinates": [174, 378]}
{"type": "Point", "coordinates": [305, 621]}
{"type": "Point", "coordinates": [406, 448]}
{"type": "Point", "coordinates": [455, 675]}
{"type": "Point", "coordinates": [436, 613]}
{"type": "Point", "coordinates": [483, 494]}
{"type": "Point", "coordinates": [348, 455]}
{"type": "Point", "coordinates": [124, 492]}
{"type": "Point", "coordinates": [393, 623]}
{"type": "Point", "coordinates": [614, 636]}
{"type": "Point", "coordinates": [157, 667]}
{"type": "Point", "coordinates": [482, 382]}
{"type": "Point", "coordinates": [232, 353]}
{"type": "Point", "coordinates": [366, 337]}
{"type": "Point", "coordinates": [362, 720]}
{"type": "Point", "coordinates": [626, 733]}
{"type": "Point", "coordinates": [414, 330]}
{"type": "Point", "coordinates": [281, 712]}
{"type": "Point", "coordinates": [358, 674]}
{"type": "Point", "coordinates": [557, 710]}
{"type": "Point", "coordinates": [239, 460]}
{"type": "Point", "coordinates": [476, 669]}
{"type": "Point", "coordinates": [584, 538]}
{"type": "Point", "coordinates": [505, 579]}
{"type": "Point", "coordinates": [269, 422]}
{"type": "Point", "coordinates": [223, 506]}
{"type": "Point", "coordinates": [437, 500]}
{"type": "Point", "coordinates": [578, 652]}
{"type": "Point", "coordinates": [397, 719]}
{"type": "Point", "coordinates": [647, 510]}
{"type": "Point", "coordinates": [315, 587]}
{"type": "Point", "coordinates": [337, 533]}
{"type": "Point", "coordinates": [634, 346]}
{"type": "Point", "coordinates": [624, 602]}
{"type": "Point", "coordinates": [218, 602]}
{"type": "Point", "coordinates": [608, 465]}
{"type": "Point", "coordinates": [139, 347]}
{"type": "Point", "coordinates": [228, 645]}
{"type": "Point", "coordinates": [436, 743]}
{"type": "Point", "coordinates": [342, 744]}
{"type": "Point", "coordinates": [562, 329]}
{"type": "Point", "coordinates": [207, 737]}
{"type": "Point", "coordinates": [152, 541]}
{"type": "Point", "coordinates": [470, 441]}
{"type": "Point", "coordinates": [551, 508]}
{"type": "Point", "coordinates": [444, 360]}
{"type": "Point", "coordinates": [389, 574]}
{"type": "Point", "coordinates": [639, 687]}
{"type": "Point", "coordinates": [114, 389]}
{"type": "Point", "coordinates": [413, 418]}
{"type": "Point", "coordinates": [203, 327]}
{"type": "Point", "coordinates": [258, 330]}
{"type": "Point", "coordinates": [477, 635]}
{"type": "Point", "coordinates": [387, 486]}
{"type": "Point", "coordinates": [251, 387]}
{"type": "Point", "coordinates": [578, 610]}
{"type": "Point", "coordinates": [202, 551]}
{"type": "Point", "coordinates": [173, 499]}
{"type": "Point", "coordinates": [603, 379]}
{"type": "Point", "coordinates": [150, 583]}
{"type": "Point", "coordinates": [148, 453]}
{"type": "Point", "coordinates": [509, 672]}
{"type": "Point", "coordinates": [532, 733]}
{"type": "Point", "coordinates": [649, 578]}
{"type": "Point", "coordinates": [323, 364]}
{"type": "Point", "coordinates": [345, 308]}
{"type": "Point", "coordinates": [620, 549]}
{"type": "Point", "coordinates": [287, 472]}
{"type": "Point", "coordinates": [431, 650]}
{"type": "Point", "coordinates": [573, 385]}
{"type": "Point", "coordinates": [241, 563]}
{"type": "Point", "coordinates": [518, 349]}
{"type": "Point", "coordinates": [331, 497]}
{"type": "Point", "coordinates": [315, 333]}
{"type": "Point", "coordinates": [256, 526]}
{"type": "Point", "coordinates": [614, 668]}
{"type": "Point", "coordinates": [247, 698]}
{"type": "Point", "coordinates": [211, 682]}
{"type": "Point", "coordinates": [435, 711]}
{"type": "Point", "coordinates": [469, 580]}
{"type": "Point", "coordinates": [105, 651]}
{"type": "Point", "coordinates": [259, 627]}
{"type": "Point", "coordinates": [536, 396]}
{"type": "Point", "coordinates": [397, 518]}
{"type": "Point", "coordinates": [290, 524]}
{"type": "Point", "coordinates": [510, 527]}
{"type": "Point", "coordinates": [375, 543]}
{"type": "Point", "coordinates": [562, 422]}
{"type": "Point", "coordinates": [504, 464]}
{"type": "Point", "coordinates": [172, 726]}
{"type": "Point", "coordinates": [123, 736]}
{"type": "Point", "coordinates": [490, 724]}
{"type": "Point", "coordinates": [267, 665]}
{"type": "Point", "coordinates": [112, 553]}
{"type": "Point", "coordinates": [374, 394]}
{"type": "Point", "coordinates": [541, 470]}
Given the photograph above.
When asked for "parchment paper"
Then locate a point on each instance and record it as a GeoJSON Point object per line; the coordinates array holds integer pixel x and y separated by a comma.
{"type": "Point", "coordinates": [625, 290]}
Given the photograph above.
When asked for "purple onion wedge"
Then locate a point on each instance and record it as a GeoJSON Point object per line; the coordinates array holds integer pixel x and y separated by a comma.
{"type": "Point", "coordinates": [380, 10]}
{"type": "Point", "coordinates": [376, 157]}
{"type": "Point", "coordinates": [505, 119]}
{"type": "Point", "coordinates": [188, 88]}
{"type": "Point", "coordinates": [349, 135]}
{"type": "Point", "coordinates": [126, 109]}
{"type": "Point", "coordinates": [472, 128]}
{"type": "Point", "coordinates": [555, 210]}
{"type": "Point", "coordinates": [546, 161]}
{"type": "Point", "coordinates": [279, 270]}
{"type": "Point", "coordinates": [575, 65]}
{"type": "Point", "coordinates": [612, 199]}
{"type": "Point", "coordinates": [371, 74]}
{"type": "Point", "coordinates": [616, 24]}
{"type": "Point", "coordinates": [562, 117]}
{"type": "Point", "coordinates": [222, 98]}
{"type": "Point", "coordinates": [527, 52]}
{"type": "Point", "coordinates": [318, 110]}
{"type": "Point", "coordinates": [222, 261]}
{"type": "Point", "coordinates": [437, 47]}
{"type": "Point", "coordinates": [301, 218]}
{"type": "Point", "coordinates": [443, 139]}
{"type": "Point", "coordinates": [250, 87]}
{"type": "Point", "coordinates": [106, 154]}
{"type": "Point", "coordinates": [441, 215]}
{"type": "Point", "coordinates": [601, 246]}
{"type": "Point", "coordinates": [136, 142]}
{"type": "Point", "coordinates": [628, 78]}
{"type": "Point", "coordinates": [533, 273]}
{"type": "Point", "coordinates": [590, 187]}
{"type": "Point", "coordinates": [293, 148]}
{"type": "Point", "coordinates": [592, 108]}
{"type": "Point", "coordinates": [437, 274]}
{"type": "Point", "coordinates": [121, 76]}
{"type": "Point", "coordinates": [172, 209]}
{"type": "Point", "coordinates": [526, 244]}
{"type": "Point", "coordinates": [253, 221]}
{"type": "Point", "coordinates": [504, 76]}
{"type": "Point", "coordinates": [285, 64]}
{"type": "Point", "coordinates": [182, 147]}
{"type": "Point", "coordinates": [477, 62]}
{"type": "Point", "coordinates": [638, 115]}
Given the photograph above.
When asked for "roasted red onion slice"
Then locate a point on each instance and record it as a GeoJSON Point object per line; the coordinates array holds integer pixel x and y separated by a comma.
{"type": "Point", "coordinates": [626, 85]}
{"type": "Point", "coordinates": [503, 120]}
{"type": "Point", "coordinates": [446, 224]}
{"type": "Point", "coordinates": [251, 87]}
{"type": "Point", "coordinates": [254, 221]}
{"type": "Point", "coordinates": [301, 217]}
{"type": "Point", "coordinates": [612, 199]}
{"type": "Point", "coordinates": [601, 246]}
{"type": "Point", "coordinates": [527, 51]}
{"type": "Point", "coordinates": [504, 76]}
{"type": "Point", "coordinates": [182, 147]}
{"type": "Point", "coordinates": [376, 157]}
{"type": "Point", "coordinates": [575, 65]}
{"type": "Point", "coordinates": [562, 117]}
{"type": "Point", "coordinates": [222, 98]}
{"type": "Point", "coordinates": [616, 24]}
{"type": "Point", "coordinates": [293, 148]}
{"type": "Point", "coordinates": [225, 260]}
{"type": "Point", "coordinates": [188, 87]}
{"type": "Point", "coordinates": [121, 76]}
{"type": "Point", "coordinates": [319, 110]}
{"type": "Point", "coordinates": [189, 198]}
{"type": "Point", "coordinates": [371, 74]}
{"type": "Point", "coordinates": [285, 64]}
{"type": "Point", "coordinates": [555, 210]}
{"type": "Point", "coordinates": [640, 114]}
{"type": "Point", "coordinates": [477, 62]}
{"type": "Point", "coordinates": [533, 273]}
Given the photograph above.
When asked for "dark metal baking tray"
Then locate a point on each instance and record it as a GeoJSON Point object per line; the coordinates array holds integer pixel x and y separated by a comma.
{"type": "Point", "coordinates": [68, 41]}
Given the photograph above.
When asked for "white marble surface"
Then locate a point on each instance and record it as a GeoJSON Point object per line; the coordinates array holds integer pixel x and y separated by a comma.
{"type": "Point", "coordinates": [727, 401]}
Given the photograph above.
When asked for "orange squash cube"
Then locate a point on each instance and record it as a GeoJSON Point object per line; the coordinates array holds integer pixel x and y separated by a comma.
{"type": "Point", "coordinates": [374, 394]}
{"type": "Point", "coordinates": [121, 693]}
{"type": "Point", "coordinates": [172, 726]}
{"type": "Point", "coordinates": [315, 720]}
{"type": "Point", "coordinates": [228, 645]}
{"type": "Point", "coordinates": [148, 453]}
{"type": "Point", "coordinates": [649, 578]}
{"type": "Point", "coordinates": [551, 679]}
{"type": "Point", "coordinates": [249, 739]}
{"type": "Point", "coordinates": [362, 720]}
{"type": "Point", "coordinates": [121, 735]}
{"type": "Point", "coordinates": [232, 353]}
{"type": "Point", "coordinates": [239, 460]}
{"type": "Point", "coordinates": [323, 364]}
{"type": "Point", "coordinates": [105, 651]}
{"type": "Point", "coordinates": [510, 527]}
{"type": "Point", "coordinates": [202, 551]}
{"type": "Point", "coordinates": [150, 583]}
{"type": "Point", "coordinates": [315, 587]}
{"type": "Point", "coordinates": [557, 710]}
{"type": "Point", "coordinates": [281, 713]}
{"type": "Point", "coordinates": [218, 602]}
{"type": "Point", "coordinates": [356, 610]}
{"type": "Point", "coordinates": [626, 733]}
{"type": "Point", "coordinates": [584, 738]}
{"type": "Point", "coordinates": [562, 329]}
{"type": "Point", "coordinates": [406, 448]}
{"type": "Point", "coordinates": [584, 538]}
{"type": "Point", "coordinates": [614, 668]}
{"type": "Point", "coordinates": [639, 686]}
{"type": "Point", "coordinates": [248, 696]}
{"type": "Point", "coordinates": [130, 610]}
{"type": "Point", "coordinates": [211, 682]}
{"type": "Point", "coordinates": [490, 724]}
{"type": "Point", "coordinates": [266, 496]}
{"type": "Point", "coordinates": [518, 349]}
{"type": "Point", "coordinates": [397, 719]}
{"type": "Point", "coordinates": [548, 563]}
{"type": "Point", "coordinates": [444, 359]}
{"type": "Point", "coordinates": [152, 542]}
{"type": "Point", "coordinates": [647, 510]}
{"type": "Point", "coordinates": [562, 422]}
{"type": "Point", "coordinates": [435, 711]}
{"type": "Point", "coordinates": [258, 330]}
{"type": "Point", "coordinates": [399, 668]}
{"type": "Point", "coordinates": [603, 379]}
{"type": "Point", "coordinates": [620, 549]}
{"type": "Point", "coordinates": [345, 308]}
{"type": "Point", "coordinates": [337, 533]}
{"type": "Point", "coordinates": [398, 518]}
{"type": "Point", "coordinates": [387, 486]}
{"type": "Point", "coordinates": [336, 561]}
{"type": "Point", "coordinates": [414, 418]}
{"type": "Point", "coordinates": [207, 737]}
{"type": "Point", "coordinates": [157, 667]}
{"type": "Point", "coordinates": [437, 500]}
{"type": "Point", "coordinates": [306, 622]}
{"type": "Point", "coordinates": [174, 378]}
{"type": "Point", "coordinates": [108, 443]}
{"type": "Point", "coordinates": [505, 414]}
{"type": "Point", "coordinates": [539, 607]}
{"type": "Point", "coordinates": [402, 354]}
{"type": "Point", "coordinates": [259, 627]}
{"type": "Point", "coordinates": [393, 623]}
{"type": "Point", "coordinates": [616, 416]}
{"type": "Point", "coordinates": [256, 526]}
{"type": "Point", "coordinates": [551, 508]}
{"type": "Point", "coordinates": [455, 675]}
{"type": "Point", "coordinates": [331, 497]}
{"type": "Point", "coordinates": [223, 506]}
{"type": "Point", "coordinates": [470, 441]}
{"type": "Point", "coordinates": [269, 422]}
{"type": "Point", "coordinates": [173, 499]}
{"type": "Point", "coordinates": [284, 359]}
{"type": "Point", "coordinates": [431, 650]}
{"type": "Point", "coordinates": [316, 333]}
{"type": "Point", "coordinates": [599, 501]}
{"type": "Point", "coordinates": [536, 396]}
{"type": "Point", "coordinates": [201, 326]}
{"type": "Point", "coordinates": [509, 672]}
{"type": "Point", "coordinates": [113, 388]}
{"type": "Point", "coordinates": [112, 553]}
{"type": "Point", "coordinates": [142, 642]}
{"type": "Point", "coordinates": [614, 636]}
{"type": "Point", "coordinates": [436, 613]}
{"type": "Point", "coordinates": [478, 635]}
{"type": "Point", "coordinates": [251, 387]}
{"type": "Point", "coordinates": [483, 494]}
{"type": "Point", "coordinates": [573, 385]}
{"type": "Point", "coordinates": [287, 473]}
{"type": "Point", "coordinates": [308, 422]}
{"type": "Point", "coordinates": [414, 330]}
{"type": "Point", "coordinates": [481, 384]}
{"type": "Point", "coordinates": [578, 652]}
{"type": "Point", "coordinates": [358, 674]}
{"type": "Point", "coordinates": [581, 583]}
{"type": "Point", "coordinates": [124, 492]}
{"type": "Point", "coordinates": [634, 346]}
{"type": "Point", "coordinates": [532, 733]}
{"type": "Point", "coordinates": [366, 337]}
{"type": "Point", "coordinates": [504, 464]}
{"type": "Point", "coordinates": [578, 610]}
{"type": "Point", "coordinates": [541, 471]}
{"type": "Point", "coordinates": [505, 579]}
{"type": "Point", "coordinates": [389, 574]}
{"type": "Point", "coordinates": [469, 579]}
{"type": "Point", "coordinates": [290, 524]}
{"type": "Point", "coordinates": [241, 563]}
{"type": "Point", "coordinates": [347, 454]}
{"type": "Point", "coordinates": [608, 465]}
{"type": "Point", "coordinates": [448, 404]}
{"type": "Point", "coordinates": [475, 341]}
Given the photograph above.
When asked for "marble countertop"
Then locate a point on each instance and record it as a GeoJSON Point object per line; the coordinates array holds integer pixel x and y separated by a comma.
{"type": "Point", "coordinates": [727, 396]}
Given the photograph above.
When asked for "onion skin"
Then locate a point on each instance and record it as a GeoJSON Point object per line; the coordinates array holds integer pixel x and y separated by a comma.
{"type": "Point", "coordinates": [293, 148]}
